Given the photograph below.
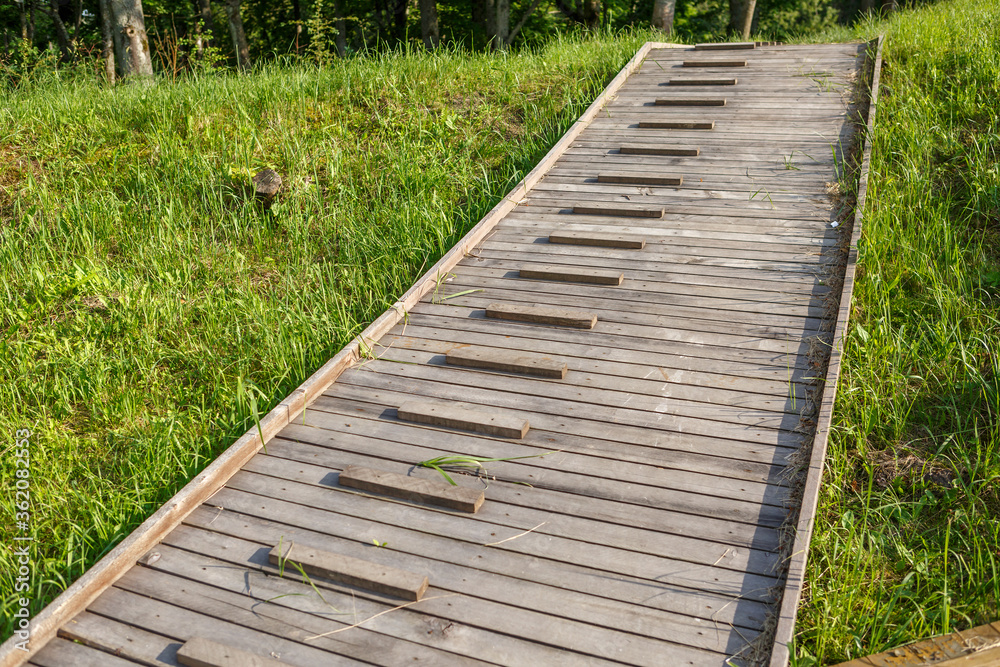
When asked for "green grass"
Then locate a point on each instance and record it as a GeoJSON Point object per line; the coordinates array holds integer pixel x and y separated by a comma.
{"type": "Point", "coordinates": [148, 308]}
{"type": "Point", "coordinates": [900, 552]}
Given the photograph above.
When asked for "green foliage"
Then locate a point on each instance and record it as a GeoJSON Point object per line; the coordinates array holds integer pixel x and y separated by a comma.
{"type": "Point", "coordinates": [907, 544]}
{"type": "Point", "coordinates": [150, 308]}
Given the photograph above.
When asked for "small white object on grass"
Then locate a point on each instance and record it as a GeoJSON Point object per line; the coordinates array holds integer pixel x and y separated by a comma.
{"type": "Point", "coordinates": [834, 223]}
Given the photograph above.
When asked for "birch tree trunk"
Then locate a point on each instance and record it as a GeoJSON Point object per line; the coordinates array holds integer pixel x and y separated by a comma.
{"type": "Point", "coordinates": [429, 23]}
{"type": "Point", "coordinates": [663, 15]}
{"type": "Point", "coordinates": [741, 17]}
{"type": "Point", "coordinates": [129, 33]}
{"type": "Point", "coordinates": [237, 33]}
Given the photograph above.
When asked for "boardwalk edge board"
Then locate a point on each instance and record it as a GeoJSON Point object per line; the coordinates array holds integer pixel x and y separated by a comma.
{"type": "Point", "coordinates": [103, 574]}
{"type": "Point", "coordinates": [795, 580]}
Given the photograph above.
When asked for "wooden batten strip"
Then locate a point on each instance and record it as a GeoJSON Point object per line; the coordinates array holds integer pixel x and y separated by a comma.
{"type": "Point", "coordinates": [714, 63]}
{"type": "Point", "coordinates": [795, 580]}
{"type": "Point", "coordinates": [201, 652]}
{"type": "Point", "coordinates": [644, 149]}
{"type": "Point", "coordinates": [677, 124]}
{"type": "Point", "coordinates": [701, 82]}
{"type": "Point", "coordinates": [501, 424]}
{"type": "Point", "coordinates": [571, 275]}
{"type": "Point", "coordinates": [619, 210]}
{"type": "Point", "coordinates": [510, 361]}
{"type": "Point", "coordinates": [76, 598]}
{"type": "Point", "coordinates": [416, 489]}
{"type": "Point", "coordinates": [633, 178]}
{"type": "Point", "coordinates": [626, 241]}
{"type": "Point", "coordinates": [723, 46]}
{"type": "Point", "coordinates": [348, 570]}
{"type": "Point", "coordinates": [560, 317]}
{"type": "Point", "coordinates": [691, 102]}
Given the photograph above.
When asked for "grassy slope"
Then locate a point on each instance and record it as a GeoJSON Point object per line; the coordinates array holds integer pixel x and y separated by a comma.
{"type": "Point", "coordinates": [145, 304]}
{"type": "Point", "coordinates": [897, 555]}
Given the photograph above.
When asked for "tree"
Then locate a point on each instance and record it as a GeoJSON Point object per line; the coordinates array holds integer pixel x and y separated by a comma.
{"type": "Point", "coordinates": [237, 33]}
{"type": "Point", "coordinates": [741, 17]}
{"type": "Point", "coordinates": [587, 12]}
{"type": "Point", "coordinates": [107, 40]}
{"type": "Point", "coordinates": [663, 15]}
{"type": "Point", "coordinates": [429, 23]}
{"type": "Point", "coordinates": [128, 30]}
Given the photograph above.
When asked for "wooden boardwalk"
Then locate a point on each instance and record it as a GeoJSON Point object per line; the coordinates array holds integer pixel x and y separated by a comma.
{"type": "Point", "coordinates": [642, 327]}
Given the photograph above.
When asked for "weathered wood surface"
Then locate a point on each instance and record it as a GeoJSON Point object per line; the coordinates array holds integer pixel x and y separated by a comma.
{"type": "Point", "coordinates": [412, 488]}
{"type": "Point", "coordinates": [639, 519]}
{"type": "Point", "coordinates": [463, 416]}
{"type": "Point", "coordinates": [202, 652]}
{"type": "Point", "coordinates": [507, 360]}
{"type": "Point", "coordinates": [290, 557]}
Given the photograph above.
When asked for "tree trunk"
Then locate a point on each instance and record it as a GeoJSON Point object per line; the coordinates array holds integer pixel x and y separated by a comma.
{"type": "Point", "coordinates": [741, 17]}
{"type": "Point", "coordinates": [22, 9]}
{"type": "Point", "coordinates": [31, 20]}
{"type": "Point", "coordinates": [400, 9]}
{"type": "Point", "coordinates": [524, 18]}
{"type": "Point", "coordinates": [131, 43]}
{"type": "Point", "coordinates": [502, 23]}
{"type": "Point", "coordinates": [297, 19]}
{"type": "Point", "coordinates": [341, 25]}
{"type": "Point", "coordinates": [591, 14]}
{"type": "Point", "coordinates": [663, 15]}
{"type": "Point", "coordinates": [207, 20]}
{"type": "Point", "coordinates": [429, 23]}
{"type": "Point", "coordinates": [62, 35]}
{"type": "Point", "coordinates": [239, 37]}
{"type": "Point", "coordinates": [107, 40]}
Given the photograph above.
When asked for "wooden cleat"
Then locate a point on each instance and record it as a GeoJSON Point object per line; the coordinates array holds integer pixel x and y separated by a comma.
{"type": "Point", "coordinates": [416, 489]}
{"type": "Point", "coordinates": [463, 416]}
{"type": "Point", "coordinates": [509, 361]}
{"type": "Point", "coordinates": [560, 317]}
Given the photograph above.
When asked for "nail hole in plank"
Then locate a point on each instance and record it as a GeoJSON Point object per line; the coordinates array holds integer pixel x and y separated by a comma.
{"type": "Point", "coordinates": [509, 361]}
{"type": "Point", "coordinates": [348, 570]}
{"type": "Point", "coordinates": [560, 317]}
{"type": "Point", "coordinates": [459, 416]}
{"type": "Point", "coordinates": [416, 489]}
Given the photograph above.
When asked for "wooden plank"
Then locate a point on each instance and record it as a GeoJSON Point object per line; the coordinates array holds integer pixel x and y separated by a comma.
{"type": "Point", "coordinates": [62, 653]}
{"type": "Point", "coordinates": [562, 317]}
{"type": "Point", "coordinates": [598, 239]}
{"type": "Point", "coordinates": [348, 570]}
{"type": "Point", "coordinates": [413, 488]}
{"type": "Point", "coordinates": [572, 275]}
{"type": "Point", "coordinates": [495, 359]}
{"type": "Point", "coordinates": [465, 417]}
{"type": "Point", "coordinates": [202, 652]}
{"type": "Point", "coordinates": [677, 124]}
{"type": "Point", "coordinates": [723, 46]}
{"type": "Point", "coordinates": [647, 149]}
{"type": "Point", "coordinates": [638, 178]}
{"type": "Point", "coordinates": [714, 63]}
{"type": "Point", "coordinates": [701, 82]}
{"type": "Point", "coordinates": [691, 102]}
{"type": "Point", "coordinates": [619, 210]}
